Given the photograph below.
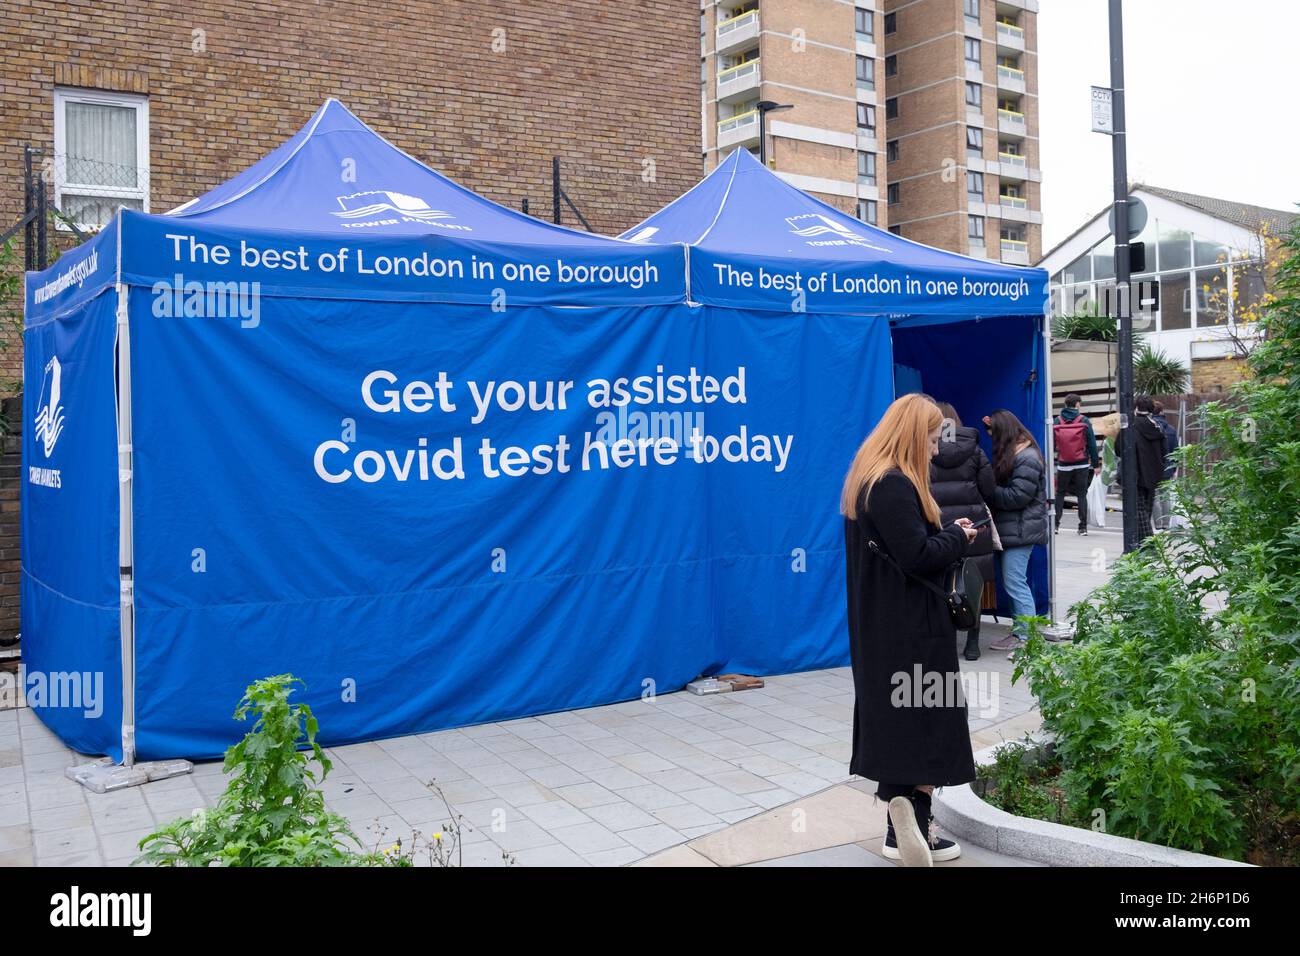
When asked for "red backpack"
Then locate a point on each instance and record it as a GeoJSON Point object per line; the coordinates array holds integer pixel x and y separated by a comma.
{"type": "Point", "coordinates": [1071, 440]}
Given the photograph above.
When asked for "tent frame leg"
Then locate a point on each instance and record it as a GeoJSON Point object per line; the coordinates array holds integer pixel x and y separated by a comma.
{"type": "Point", "coordinates": [105, 775]}
{"type": "Point", "coordinates": [1056, 630]}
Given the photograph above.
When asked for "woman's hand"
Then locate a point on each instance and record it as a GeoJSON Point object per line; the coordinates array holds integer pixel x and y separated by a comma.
{"type": "Point", "coordinates": [967, 526]}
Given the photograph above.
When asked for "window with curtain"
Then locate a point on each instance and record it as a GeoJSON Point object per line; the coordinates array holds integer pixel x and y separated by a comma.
{"type": "Point", "coordinates": [101, 146]}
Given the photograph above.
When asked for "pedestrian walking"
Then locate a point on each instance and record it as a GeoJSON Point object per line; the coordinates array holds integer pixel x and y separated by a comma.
{"type": "Point", "coordinates": [1077, 458]}
{"type": "Point", "coordinates": [1148, 462]}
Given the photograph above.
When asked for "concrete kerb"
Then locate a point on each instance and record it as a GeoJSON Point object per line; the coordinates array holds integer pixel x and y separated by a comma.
{"type": "Point", "coordinates": [961, 812]}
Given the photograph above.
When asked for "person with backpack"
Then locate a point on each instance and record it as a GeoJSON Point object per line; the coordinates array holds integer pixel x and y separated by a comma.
{"type": "Point", "coordinates": [1077, 458]}
{"type": "Point", "coordinates": [961, 480]}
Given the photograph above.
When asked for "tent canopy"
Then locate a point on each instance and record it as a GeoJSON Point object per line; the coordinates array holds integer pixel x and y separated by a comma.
{"type": "Point", "coordinates": [339, 212]}
{"type": "Point", "coordinates": [337, 176]}
{"type": "Point", "coordinates": [757, 242]}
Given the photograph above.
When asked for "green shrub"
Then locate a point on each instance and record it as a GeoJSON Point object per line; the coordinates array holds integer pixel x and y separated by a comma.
{"type": "Point", "coordinates": [272, 813]}
{"type": "Point", "coordinates": [1177, 708]}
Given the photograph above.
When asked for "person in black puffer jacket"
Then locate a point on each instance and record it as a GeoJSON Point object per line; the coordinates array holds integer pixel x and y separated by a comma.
{"type": "Point", "coordinates": [961, 480]}
{"type": "Point", "coordinates": [1019, 511]}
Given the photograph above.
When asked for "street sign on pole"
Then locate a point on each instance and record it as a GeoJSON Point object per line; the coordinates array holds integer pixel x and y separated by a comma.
{"type": "Point", "coordinates": [1102, 110]}
{"type": "Point", "coordinates": [1137, 217]}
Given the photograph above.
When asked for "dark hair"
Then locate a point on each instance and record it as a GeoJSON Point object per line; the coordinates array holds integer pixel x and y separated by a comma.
{"type": "Point", "coordinates": [1144, 404]}
{"type": "Point", "coordinates": [1157, 407]}
{"type": "Point", "coordinates": [949, 412]}
{"type": "Point", "coordinates": [1007, 432]}
{"type": "Point", "coordinates": [1072, 400]}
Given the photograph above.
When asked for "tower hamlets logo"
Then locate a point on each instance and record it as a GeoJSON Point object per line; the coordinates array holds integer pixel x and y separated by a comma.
{"type": "Point", "coordinates": [380, 207]}
{"type": "Point", "coordinates": [49, 411]}
{"type": "Point", "coordinates": [818, 230]}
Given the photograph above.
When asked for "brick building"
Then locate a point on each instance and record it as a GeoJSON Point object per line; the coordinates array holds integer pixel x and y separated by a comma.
{"type": "Point", "coordinates": [149, 103]}
{"type": "Point", "coordinates": [484, 93]}
{"type": "Point", "coordinates": [916, 115]}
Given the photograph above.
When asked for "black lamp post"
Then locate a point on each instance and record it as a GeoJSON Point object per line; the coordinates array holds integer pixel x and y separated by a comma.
{"type": "Point", "coordinates": [765, 107]}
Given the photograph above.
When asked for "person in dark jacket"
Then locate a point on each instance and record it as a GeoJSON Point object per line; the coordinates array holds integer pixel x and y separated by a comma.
{"type": "Point", "coordinates": [1077, 458]}
{"type": "Point", "coordinates": [961, 479]}
{"type": "Point", "coordinates": [900, 634]}
{"type": "Point", "coordinates": [1020, 513]}
{"type": "Point", "coordinates": [1149, 460]}
{"type": "Point", "coordinates": [1162, 506]}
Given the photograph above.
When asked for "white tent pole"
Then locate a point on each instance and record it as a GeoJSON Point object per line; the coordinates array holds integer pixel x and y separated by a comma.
{"type": "Point", "coordinates": [126, 542]}
{"type": "Point", "coordinates": [1049, 464]}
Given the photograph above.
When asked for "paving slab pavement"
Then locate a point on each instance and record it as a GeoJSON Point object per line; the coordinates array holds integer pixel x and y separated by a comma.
{"type": "Point", "coordinates": [713, 780]}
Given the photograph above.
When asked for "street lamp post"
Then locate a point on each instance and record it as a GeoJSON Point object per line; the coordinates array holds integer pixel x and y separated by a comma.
{"type": "Point", "coordinates": [1119, 161]}
{"type": "Point", "coordinates": [764, 107]}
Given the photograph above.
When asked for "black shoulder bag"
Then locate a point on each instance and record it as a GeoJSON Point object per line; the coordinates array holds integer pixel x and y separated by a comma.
{"type": "Point", "coordinates": [953, 592]}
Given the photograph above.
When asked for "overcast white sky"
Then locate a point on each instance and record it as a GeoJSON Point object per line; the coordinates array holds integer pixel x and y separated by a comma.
{"type": "Point", "coordinates": [1211, 102]}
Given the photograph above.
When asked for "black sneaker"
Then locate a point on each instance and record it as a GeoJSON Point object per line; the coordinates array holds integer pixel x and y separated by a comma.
{"type": "Point", "coordinates": [1083, 532]}
{"type": "Point", "coordinates": [915, 850]}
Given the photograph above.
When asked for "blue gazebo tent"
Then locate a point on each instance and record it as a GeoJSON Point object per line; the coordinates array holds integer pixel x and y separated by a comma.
{"type": "Point", "coordinates": [178, 538]}
{"type": "Point", "coordinates": [965, 330]}
{"type": "Point", "coordinates": [341, 417]}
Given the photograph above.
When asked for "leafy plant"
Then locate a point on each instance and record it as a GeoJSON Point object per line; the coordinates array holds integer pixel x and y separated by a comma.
{"type": "Point", "coordinates": [1020, 781]}
{"type": "Point", "coordinates": [1155, 373]}
{"type": "Point", "coordinates": [272, 813]}
{"type": "Point", "coordinates": [1089, 324]}
{"type": "Point", "coordinates": [1176, 710]}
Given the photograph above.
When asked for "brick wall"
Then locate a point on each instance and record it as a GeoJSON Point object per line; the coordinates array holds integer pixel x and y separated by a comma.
{"type": "Point", "coordinates": [604, 86]}
{"type": "Point", "coordinates": [1214, 376]}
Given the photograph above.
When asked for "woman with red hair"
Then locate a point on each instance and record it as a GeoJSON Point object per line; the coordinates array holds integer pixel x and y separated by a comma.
{"type": "Point", "coordinates": [906, 738]}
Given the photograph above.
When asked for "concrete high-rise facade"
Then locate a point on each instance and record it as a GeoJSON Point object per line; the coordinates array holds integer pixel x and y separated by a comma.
{"type": "Point", "coordinates": [920, 116]}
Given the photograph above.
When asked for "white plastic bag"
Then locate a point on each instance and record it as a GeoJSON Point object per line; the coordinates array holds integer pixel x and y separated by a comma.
{"type": "Point", "coordinates": [1097, 502]}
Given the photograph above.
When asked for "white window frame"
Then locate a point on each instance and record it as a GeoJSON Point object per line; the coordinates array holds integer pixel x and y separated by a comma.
{"type": "Point", "coordinates": [65, 95]}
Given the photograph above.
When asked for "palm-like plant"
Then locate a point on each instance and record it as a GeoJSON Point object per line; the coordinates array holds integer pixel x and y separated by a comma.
{"type": "Point", "coordinates": [1089, 324]}
{"type": "Point", "coordinates": [1155, 373]}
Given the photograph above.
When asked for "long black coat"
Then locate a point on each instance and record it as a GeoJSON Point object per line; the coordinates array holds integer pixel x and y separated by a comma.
{"type": "Point", "coordinates": [1149, 443]}
{"type": "Point", "coordinates": [962, 482]}
{"type": "Point", "coordinates": [896, 625]}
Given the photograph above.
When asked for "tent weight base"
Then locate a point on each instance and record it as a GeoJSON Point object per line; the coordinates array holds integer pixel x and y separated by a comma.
{"type": "Point", "coordinates": [1057, 632]}
{"type": "Point", "coordinates": [105, 776]}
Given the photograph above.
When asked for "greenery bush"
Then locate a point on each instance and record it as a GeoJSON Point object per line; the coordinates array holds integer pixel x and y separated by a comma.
{"type": "Point", "coordinates": [1176, 709]}
{"type": "Point", "coordinates": [272, 813]}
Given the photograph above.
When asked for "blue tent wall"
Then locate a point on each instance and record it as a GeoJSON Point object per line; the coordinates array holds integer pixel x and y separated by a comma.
{"type": "Point", "coordinates": [383, 595]}
{"type": "Point", "coordinates": [70, 599]}
{"type": "Point", "coordinates": [978, 366]}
